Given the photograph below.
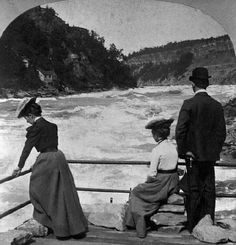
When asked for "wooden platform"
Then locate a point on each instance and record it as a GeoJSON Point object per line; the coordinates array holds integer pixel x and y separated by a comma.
{"type": "Point", "coordinates": [99, 235]}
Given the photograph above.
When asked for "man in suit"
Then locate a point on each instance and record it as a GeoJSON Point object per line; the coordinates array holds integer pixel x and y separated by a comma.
{"type": "Point", "coordinates": [200, 134]}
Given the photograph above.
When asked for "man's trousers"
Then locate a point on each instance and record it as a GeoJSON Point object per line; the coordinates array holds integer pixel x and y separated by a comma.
{"type": "Point", "coordinates": [200, 199]}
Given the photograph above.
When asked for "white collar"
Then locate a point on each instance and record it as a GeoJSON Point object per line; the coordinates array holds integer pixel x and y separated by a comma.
{"type": "Point", "coordinates": [160, 141]}
{"type": "Point", "coordinates": [200, 91]}
{"type": "Point", "coordinates": [37, 118]}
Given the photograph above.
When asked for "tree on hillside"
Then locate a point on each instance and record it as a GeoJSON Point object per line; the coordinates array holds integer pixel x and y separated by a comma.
{"type": "Point", "coordinates": [177, 45]}
{"type": "Point", "coordinates": [184, 62]}
{"type": "Point", "coordinates": [78, 56]}
{"type": "Point", "coordinates": [160, 72]}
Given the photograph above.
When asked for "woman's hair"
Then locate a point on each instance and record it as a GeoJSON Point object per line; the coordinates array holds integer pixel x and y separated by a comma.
{"type": "Point", "coordinates": [164, 132]}
{"type": "Point", "coordinates": [34, 109]}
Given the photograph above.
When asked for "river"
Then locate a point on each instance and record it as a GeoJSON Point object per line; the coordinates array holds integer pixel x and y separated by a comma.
{"type": "Point", "coordinates": [101, 125]}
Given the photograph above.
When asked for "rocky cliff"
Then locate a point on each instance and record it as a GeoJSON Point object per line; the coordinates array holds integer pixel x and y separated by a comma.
{"type": "Point", "coordinates": [172, 63]}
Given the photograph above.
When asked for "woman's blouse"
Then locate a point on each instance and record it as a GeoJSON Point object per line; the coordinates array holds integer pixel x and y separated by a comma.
{"type": "Point", "coordinates": [41, 135]}
{"type": "Point", "coordinates": [164, 156]}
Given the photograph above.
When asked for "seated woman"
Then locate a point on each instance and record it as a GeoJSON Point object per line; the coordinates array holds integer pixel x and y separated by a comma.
{"type": "Point", "coordinates": [162, 179]}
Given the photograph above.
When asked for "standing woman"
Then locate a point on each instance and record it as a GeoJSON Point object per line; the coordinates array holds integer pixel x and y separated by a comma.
{"type": "Point", "coordinates": [52, 190]}
{"type": "Point", "coordinates": [162, 179]}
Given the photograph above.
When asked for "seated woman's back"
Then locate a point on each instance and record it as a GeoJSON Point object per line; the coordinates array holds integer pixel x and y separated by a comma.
{"type": "Point", "coordinates": [166, 154]}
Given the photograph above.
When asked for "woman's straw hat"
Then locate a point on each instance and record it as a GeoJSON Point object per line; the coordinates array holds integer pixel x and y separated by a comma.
{"type": "Point", "coordinates": [160, 122]}
{"type": "Point", "coordinates": [23, 105]}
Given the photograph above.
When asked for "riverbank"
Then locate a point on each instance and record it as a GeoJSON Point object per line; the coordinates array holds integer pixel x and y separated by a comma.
{"type": "Point", "coordinates": [50, 91]}
{"type": "Point", "coordinates": [42, 92]}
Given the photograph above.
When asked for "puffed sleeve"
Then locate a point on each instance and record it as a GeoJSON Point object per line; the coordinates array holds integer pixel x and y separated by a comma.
{"type": "Point", "coordinates": [155, 161]}
{"type": "Point", "coordinates": [32, 137]}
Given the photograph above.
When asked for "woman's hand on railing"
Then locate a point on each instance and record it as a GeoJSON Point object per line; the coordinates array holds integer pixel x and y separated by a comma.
{"type": "Point", "coordinates": [16, 172]}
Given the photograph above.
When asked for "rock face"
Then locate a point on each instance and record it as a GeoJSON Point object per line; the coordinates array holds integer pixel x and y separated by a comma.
{"type": "Point", "coordinates": [168, 219]}
{"type": "Point", "coordinates": [230, 226]}
{"type": "Point", "coordinates": [205, 231]}
{"type": "Point", "coordinates": [232, 236]}
{"type": "Point", "coordinates": [107, 215]}
{"type": "Point", "coordinates": [15, 237]}
{"type": "Point", "coordinates": [172, 64]}
{"type": "Point", "coordinates": [227, 224]}
{"type": "Point", "coordinates": [199, 48]}
{"type": "Point", "coordinates": [171, 229]}
{"type": "Point", "coordinates": [33, 227]}
{"type": "Point", "coordinates": [175, 199]}
{"type": "Point", "coordinates": [230, 109]}
{"type": "Point", "coordinates": [172, 208]}
{"type": "Point", "coordinates": [112, 215]}
{"type": "Point", "coordinates": [229, 148]}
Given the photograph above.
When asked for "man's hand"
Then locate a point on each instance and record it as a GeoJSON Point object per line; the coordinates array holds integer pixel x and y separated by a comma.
{"type": "Point", "coordinates": [16, 172]}
{"type": "Point", "coordinates": [189, 154]}
{"type": "Point", "coordinates": [180, 171]}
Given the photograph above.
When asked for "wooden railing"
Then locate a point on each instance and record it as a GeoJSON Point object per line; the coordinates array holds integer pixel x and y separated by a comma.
{"type": "Point", "coordinates": [108, 162]}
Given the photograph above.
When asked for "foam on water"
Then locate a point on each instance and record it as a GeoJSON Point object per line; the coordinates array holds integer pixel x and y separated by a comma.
{"type": "Point", "coordinates": [103, 125]}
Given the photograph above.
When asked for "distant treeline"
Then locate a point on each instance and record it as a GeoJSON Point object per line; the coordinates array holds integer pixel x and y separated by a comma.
{"type": "Point", "coordinates": [159, 72]}
{"type": "Point", "coordinates": [169, 64]}
{"type": "Point", "coordinates": [177, 45]}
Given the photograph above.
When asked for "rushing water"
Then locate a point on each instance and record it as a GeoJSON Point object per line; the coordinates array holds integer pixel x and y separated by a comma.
{"type": "Point", "coordinates": [104, 125]}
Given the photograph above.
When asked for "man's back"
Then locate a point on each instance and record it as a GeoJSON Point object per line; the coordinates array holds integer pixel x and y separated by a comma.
{"type": "Point", "coordinates": [201, 128]}
{"type": "Point", "coordinates": [200, 134]}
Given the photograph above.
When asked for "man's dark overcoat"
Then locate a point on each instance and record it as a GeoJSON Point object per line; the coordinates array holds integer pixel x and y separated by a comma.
{"type": "Point", "coordinates": [200, 130]}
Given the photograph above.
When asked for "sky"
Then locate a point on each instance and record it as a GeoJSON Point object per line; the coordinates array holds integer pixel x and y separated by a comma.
{"type": "Point", "coordinates": [135, 24]}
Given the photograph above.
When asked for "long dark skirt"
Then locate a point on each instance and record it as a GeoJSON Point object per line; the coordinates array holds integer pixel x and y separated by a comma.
{"type": "Point", "coordinates": [146, 198]}
{"type": "Point", "coordinates": [54, 197]}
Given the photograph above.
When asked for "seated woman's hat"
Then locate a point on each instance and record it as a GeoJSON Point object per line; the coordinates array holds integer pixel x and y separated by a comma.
{"type": "Point", "coordinates": [159, 123]}
{"type": "Point", "coordinates": [23, 105]}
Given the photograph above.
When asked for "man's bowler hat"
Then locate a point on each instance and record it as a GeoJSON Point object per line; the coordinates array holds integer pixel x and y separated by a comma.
{"type": "Point", "coordinates": [199, 73]}
{"type": "Point", "coordinates": [23, 106]}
